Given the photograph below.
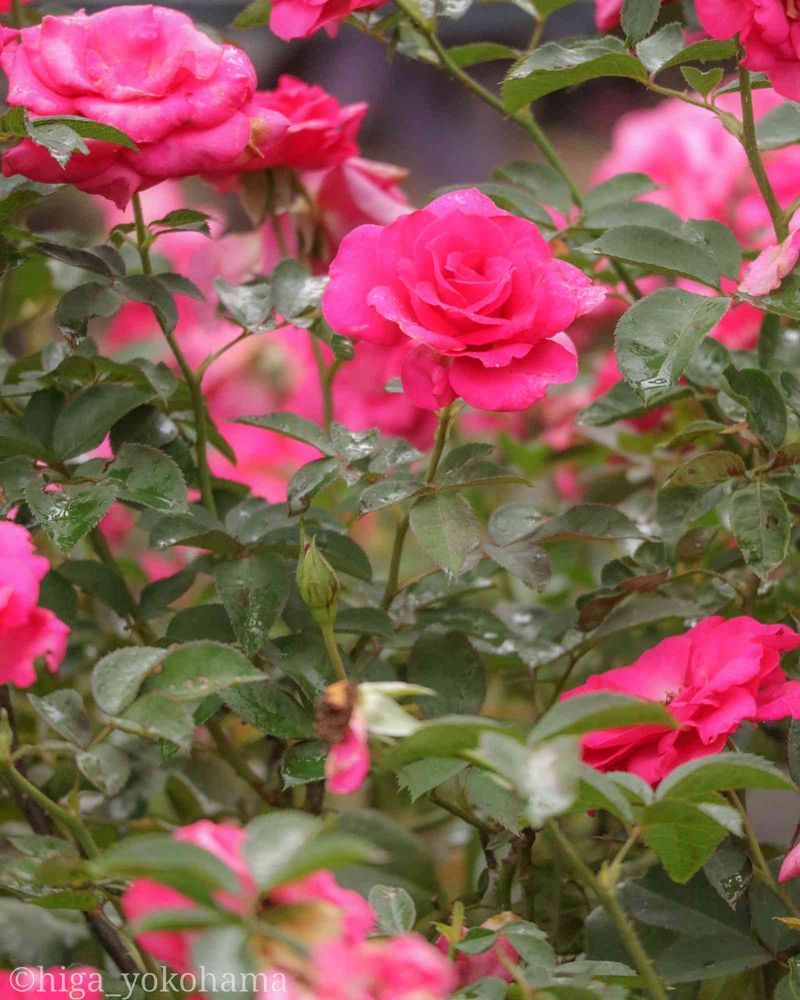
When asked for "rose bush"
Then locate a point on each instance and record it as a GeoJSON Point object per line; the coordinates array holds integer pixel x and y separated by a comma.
{"type": "Point", "coordinates": [399, 593]}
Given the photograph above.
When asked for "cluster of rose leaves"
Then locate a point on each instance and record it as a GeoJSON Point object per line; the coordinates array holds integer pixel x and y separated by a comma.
{"type": "Point", "coordinates": [459, 300]}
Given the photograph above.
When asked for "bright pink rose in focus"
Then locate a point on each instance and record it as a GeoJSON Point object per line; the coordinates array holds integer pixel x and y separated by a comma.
{"type": "Point", "coordinates": [321, 132]}
{"type": "Point", "coordinates": [475, 295]}
{"type": "Point", "coordinates": [713, 678]}
{"type": "Point", "coordinates": [54, 983]}
{"type": "Point", "coordinates": [769, 31]}
{"type": "Point", "coordinates": [184, 100]}
{"type": "Point", "coordinates": [301, 18]}
{"type": "Point", "coordinates": [26, 630]}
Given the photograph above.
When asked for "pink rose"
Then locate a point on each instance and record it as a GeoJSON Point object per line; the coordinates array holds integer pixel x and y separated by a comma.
{"type": "Point", "coordinates": [347, 765]}
{"type": "Point", "coordinates": [144, 897]}
{"type": "Point", "coordinates": [406, 967]}
{"type": "Point", "coordinates": [353, 915]}
{"type": "Point", "coordinates": [768, 270]}
{"type": "Point", "coordinates": [716, 676]}
{"type": "Point", "coordinates": [301, 18]}
{"type": "Point", "coordinates": [186, 101]}
{"type": "Point", "coordinates": [26, 630]}
{"type": "Point", "coordinates": [321, 133]}
{"type": "Point", "coordinates": [55, 983]}
{"type": "Point", "coordinates": [472, 292]}
{"type": "Point", "coordinates": [769, 31]}
{"type": "Point", "coordinates": [791, 865]}
{"type": "Point", "coordinates": [492, 962]}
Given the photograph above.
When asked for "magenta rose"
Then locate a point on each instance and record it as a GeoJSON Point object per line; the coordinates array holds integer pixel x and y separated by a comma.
{"type": "Point", "coordinates": [321, 132]}
{"type": "Point", "coordinates": [475, 295]}
{"type": "Point", "coordinates": [713, 678]}
{"type": "Point", "coordinates": [301, 18]}
{"type": "Point", "coordinates": [186, 101]}
{"type": "Point", "coordinates": [26, 630]}
{"type": "Point", "coordinates": [769, 31]}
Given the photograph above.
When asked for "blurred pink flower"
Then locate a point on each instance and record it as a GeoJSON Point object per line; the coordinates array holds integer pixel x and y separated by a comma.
{"type": "Point", "coordinates": [26, 630]}
{"type": "Point", "coordinates": [54, 983]}
{"type": "Point", "coordinates": [471, 968]}
{"type": "Point", "coordinates": [768, 270]}
{"type": "Point", "coordinates": [301, 18]}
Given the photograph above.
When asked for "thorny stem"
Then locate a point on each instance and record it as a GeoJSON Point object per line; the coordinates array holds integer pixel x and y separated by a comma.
{"type": "Point", "coordinates": [760, 866]}
{"type": "Point", "coordinates": [238, 764]}
{"type": "Point", "coordinates": [750, 145]}
{"type": "Point", "coordinates": [198, 405]}
{"type": "Point", "coordinates": [607, 896]}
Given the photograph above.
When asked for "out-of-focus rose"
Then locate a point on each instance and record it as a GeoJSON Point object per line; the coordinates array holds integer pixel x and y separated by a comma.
{"type": "Point", "coordinates": [184, 100]}
{"type": "Point", "coordinates": [341, 724]}
{"type": "Point", "coordinates": [768, 270]}
{"type": "Point", "coordinates": [301, 18]}
{"type": "Point", "coordinates": [26, 630]}
{"type": "Point", "coordinates": [713, 678]}
{"type": "Point", "coordinates": [492, 962]}
{"type": "Point", "coordinates": [790, 868]}
{"type": "Point", "coordinates": [321, 133]}
{"type": "Point", "coordinates": [769, 31]}
{"type": "Point", "coordinates": [474, 294]}
{"type": "Point", "coordinates": [355, 193]}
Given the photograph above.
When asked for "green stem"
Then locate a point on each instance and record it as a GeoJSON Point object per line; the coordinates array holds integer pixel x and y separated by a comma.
{"type": "Point", "coordinates": [750, 145]}
{"type": "Point", "coordinates": [17, 15]}
{"type": "Point", "coordinates": [759, 862]}
{"type": "Point", "coordinates": [106, 556]}
{"type": "Point", "coordinates": [198, 404]}
{"type": "Point", "coordinates": [237, 763]}
{"type": "Point", "coordinates": [333, 651]}
{"type": "Point", "coordinates": [608, 900]}
{"type": "Point", "coordinates": [67, 820]}
{"type": "Point", "coordinates": [325, 382]}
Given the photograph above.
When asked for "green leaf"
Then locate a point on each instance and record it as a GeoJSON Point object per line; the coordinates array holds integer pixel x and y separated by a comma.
{"type": "Point", "coordinates": [703, 82]}
{"type": "Point", "coordinates": [779, 127]}
{"type": "Point", "coordinates": [106, 767]}
{"type": "Point", "coordinates": [761, 525]}
{"type": "Point", "coordinates": [157, 717]}
{"type": "Point", "coordinates": [638, 18]}
{"type": "Point", "coordinates": [446, 527]}
{"type": "Point", "coordinates": [682, 835]}
{"type": "Point", "coordinates": [604, 710]}
{"type": "Point", "coordinates": [86, 260]}
{"type": "Point", "coordinates": [703, 470]}
{"type": "Point", "coordinates": [365, 621]}
{"type": "Point", "coordinates": [619, 188]}
{"type": "Point", "coordinates": [64, 712]}
{"type": "Point", "coordinates": [659, 48]}
{"type": "Point", "coordinates": [293, 426]}
{"type": "Point", "coordinates": [249, 305]}
{"type": "Point", "coordinates": [254, 592]}
{"type": "Point", "coordinates": [784, 301]}
{"type": "Point", "coordinates": [270, 709]}
{"type": "Point", "coordinates": [117, 677]}
{"type": "Point", "coordinates": [698, 779]}
{"type": "Point", "coordinates": [43, 131]}
{"type": "Point", "coordinates": [657, 336]}
{"type": "Point", "coordinates": [430, 664]}
{"type": "Point", "coordinates": [154, 293]}
{"type": "Point", "coordinates": [206, 621]}
{"type": "Point", "coordinates": [543, 182]}
{"type": "Point", "coordinates": [198, 669]}
{"type": "Point", "coordinates": [766, 410]}
{"type": "Point", "coordinates": [394, 909]}
{"type": "Point", "coordinates": [70, 512]}
{"type": "Point", "coordinates": [523, 560]}
{"type": "Point", "coordinates": [387, 493]}
{"type": "Point", "coordinates": [255, 15]}
{"type": "Point", "coordinates": [474, 53]}
{"type": "Point", "coordinates": [556, 65]}
{"type": "Point", "coordinates": [295, 293]}
{"type": "Point", "coordinates": [309, 480]}
{"type": "Point", "coordinates": [622, 403]}
{"type": "Point", "coordinates": [303, 763]}
{"type": "Point", "coordinates": [89, 416]}
{"type": "Point", "coordinates": [225, 956]}
{"type": "Point", "coordinates": [182, 866]}
{"type": "Point", "coordinates": [99, 580]}
{"type": "Point", "coordinates": [590, 521]}
{"type": "Point", "coordinates": [659, 252]}
{"type": "Point", "coordinates": [446, 737]}
{"type": "Point", "coordinates": [424, 775]}
{"type": "Point", "coordinates": [147, 476]}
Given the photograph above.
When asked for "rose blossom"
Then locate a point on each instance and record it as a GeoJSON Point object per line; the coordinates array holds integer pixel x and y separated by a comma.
{"type": "Point", "coordinates": [184, 100]}
{"type": "Point", "coordinates": [714, 677]}
{"type": "Point", "coordinates": [320, 134]}
{"type": "Point", "coordinates": [493, 961]}
{"type": "Point", "coordinates": [769, 31]}
{"type": "Point", "coordinates": [472, 292]}
{"type": "Point", "coordinates": [341, 724]}
{"type": "Point", "coordinates": [772, 265]}
{"type": "Point", "coordinates": [301, 18]}
{"type": "Point", "coordinates": [26, 630]}
{"type": "Point", "coordinates": [791, 865]}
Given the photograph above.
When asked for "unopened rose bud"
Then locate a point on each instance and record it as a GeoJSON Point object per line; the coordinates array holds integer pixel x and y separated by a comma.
{"type": "Point", "coordinates": [317, 584]}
